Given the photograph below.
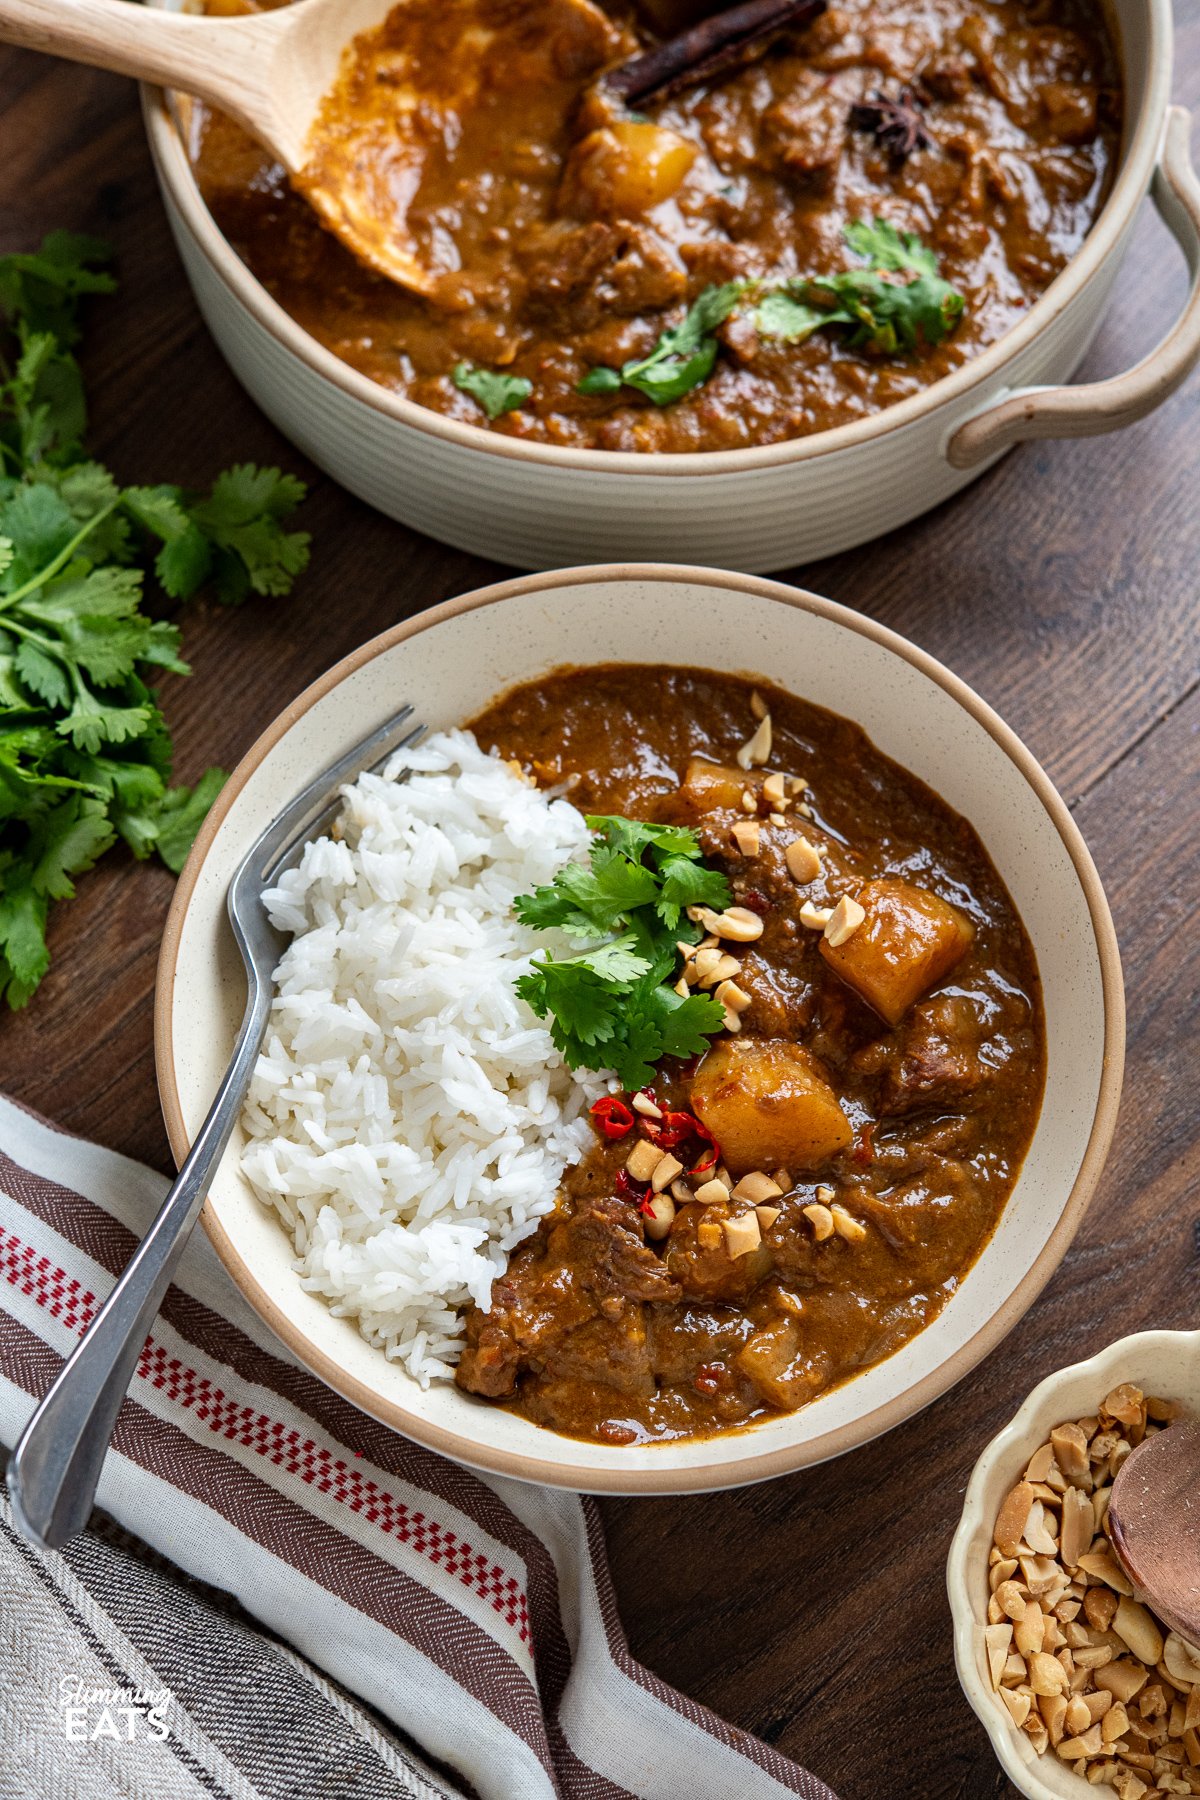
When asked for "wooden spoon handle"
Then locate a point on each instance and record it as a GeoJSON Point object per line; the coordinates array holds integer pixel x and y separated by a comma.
{"type": "Point", "coordinates": [224, 61]}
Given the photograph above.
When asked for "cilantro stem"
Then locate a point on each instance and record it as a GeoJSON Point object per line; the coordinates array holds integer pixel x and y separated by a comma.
{"type": "Point", "coordinates": [56, 563]}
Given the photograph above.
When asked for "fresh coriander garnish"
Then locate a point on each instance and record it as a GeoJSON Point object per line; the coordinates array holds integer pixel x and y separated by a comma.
{"type": "Point", "coordinates": [85, 754]}
{"type": "Point", "coordinates": [884, 314]}
{"type": "Point", "coordinates": [496, 393]}
{"type": "Point", "coordinates": [610, 1006]}
{"type": "Point", "coordinates": [682, 358]}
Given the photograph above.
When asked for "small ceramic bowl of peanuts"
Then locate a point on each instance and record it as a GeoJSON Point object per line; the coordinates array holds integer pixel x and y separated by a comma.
{"type": "Point", "coordinates": [1076, 1682]}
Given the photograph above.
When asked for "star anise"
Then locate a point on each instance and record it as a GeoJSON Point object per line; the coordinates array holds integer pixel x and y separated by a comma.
{"type": "Point", "coordinates": [896, 123]}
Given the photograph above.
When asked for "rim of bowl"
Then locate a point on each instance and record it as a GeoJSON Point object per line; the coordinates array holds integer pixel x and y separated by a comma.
{"type": "Point", "coordinates": [1138, 156]}
{"type": "Point", "coordinates": [647, 1478]}
{"type": "Point", "coordinates": [984, 1701]}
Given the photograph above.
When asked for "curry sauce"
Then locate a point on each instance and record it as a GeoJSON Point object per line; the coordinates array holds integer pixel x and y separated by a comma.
{"type": "Point", "coordinates": [559, 248]}
{"type": "Point", "coordinates": [928, 1094]}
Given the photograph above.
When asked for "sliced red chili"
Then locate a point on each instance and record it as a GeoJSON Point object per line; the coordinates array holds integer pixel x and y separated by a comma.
{"type": "Point", "coordinates": [674, 1128]}
{"type": "Point", "coordinates": [646, 1206]}
{"type": "Point", "coordinates": [864, 1148]}
{"type": "Point", "coordinates": [711, 1156]}
{"type": "Point", "coordinates": [612, 1116]}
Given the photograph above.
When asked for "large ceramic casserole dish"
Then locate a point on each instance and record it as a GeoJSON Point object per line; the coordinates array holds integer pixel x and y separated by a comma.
{"type": "Point", "coordinates": [538, 505]}
{"type": "Point", "coordinates": [451, 662]}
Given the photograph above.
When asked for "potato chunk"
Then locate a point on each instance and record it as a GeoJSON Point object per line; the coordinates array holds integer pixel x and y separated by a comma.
{"type": "Point", "coordinates": [710, 786]}
{"type": "Point", "coordinates": [909, 939]}
{"type": "Point", "coordinates": [626, 169]}
{"type": "Point", "coordinates": [768, 1105]}
{"type": "Point", "coordinates": [784, 1373]}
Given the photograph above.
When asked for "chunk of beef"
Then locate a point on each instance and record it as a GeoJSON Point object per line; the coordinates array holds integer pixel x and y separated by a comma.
{"type": "Point", "coordinates": [586, 1272]}
{"type": "Point", "coordinates": [934, 1061]}
{"type": "Point", "coordinates": [580, 275]}
{"type": "Point", "coordinates": [804, 133]}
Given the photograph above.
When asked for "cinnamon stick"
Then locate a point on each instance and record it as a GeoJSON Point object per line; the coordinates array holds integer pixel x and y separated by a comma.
{"type": "Point", "coordinates": [713, 47]}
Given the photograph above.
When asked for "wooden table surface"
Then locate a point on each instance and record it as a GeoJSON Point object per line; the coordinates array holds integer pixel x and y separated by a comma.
{"type": "Point", "coordinates": [1064, 586]}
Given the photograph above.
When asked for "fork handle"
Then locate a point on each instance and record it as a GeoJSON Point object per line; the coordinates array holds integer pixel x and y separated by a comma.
{"type": "Point", "coordinates": [55, 1468]}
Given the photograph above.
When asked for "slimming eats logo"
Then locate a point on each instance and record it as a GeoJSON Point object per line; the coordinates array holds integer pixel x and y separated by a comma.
{"type": "Point", "coordinates": [122, 1715]}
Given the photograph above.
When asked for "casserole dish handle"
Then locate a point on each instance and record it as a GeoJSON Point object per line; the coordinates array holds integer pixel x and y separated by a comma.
{"type": "Point", "coordinates": [1099, 406]}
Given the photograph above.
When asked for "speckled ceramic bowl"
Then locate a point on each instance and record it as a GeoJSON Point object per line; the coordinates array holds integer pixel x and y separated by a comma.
{"type": "Point", "coordinates": [772, 507]}
{"type": "Point", "coordinates": [1166, 1363]}
{"type": "Point", "coordinates": [450, 662]}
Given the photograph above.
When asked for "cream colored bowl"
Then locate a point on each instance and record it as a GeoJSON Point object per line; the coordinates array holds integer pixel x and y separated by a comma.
{"type": "Point", "coordinates": [450, 662]}
{"type": "Point", "coordinates": [540, 506]}
{"type": "Point", "coordinates": [1166, 1363]}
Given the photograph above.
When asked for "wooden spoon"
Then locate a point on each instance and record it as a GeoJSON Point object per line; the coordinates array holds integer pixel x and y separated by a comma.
{"type": "Point", "coordinates": [269, 71]}
{"type": "Point", "coordinates": [1154, 1524]}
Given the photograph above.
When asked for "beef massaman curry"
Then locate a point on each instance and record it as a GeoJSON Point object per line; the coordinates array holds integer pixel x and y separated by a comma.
{"type": "Point", "coordinates": [795, 1202]}
{"type": "Point", "coordinates": [770, 250]}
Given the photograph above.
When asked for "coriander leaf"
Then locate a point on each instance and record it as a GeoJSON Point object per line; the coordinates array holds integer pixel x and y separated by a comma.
{"type": "Point", "coordinates": [496, 393]}
{"type": "Point", "coordinates": [24, 957]}
{"type": "Point", "coordinates": [66, 842]}
{"type": "Point", "coordinates": [181, 815]}
{"type": "Point", "coordinates": [879, 243]}
{"type": "Point", "coordinates": [657, 1023]}
{"type": "Point", "coordinates": [632, 837]}
{"type": "Point", "coordinates": [607, 1006]}
{"type": "Point", "coordinates": [42, 675]}
{"type": "Point", "coordinates": [781, 315]}
{"type": "Point", "coordinates": [599, 381]}
{"type": "Point", "coordinates": [579, 1001]}
{"type": "Point", "coordinates": [241, 521]}
{"type": "Point", "coordinates": [91, 722]}
{"type": "Point", "coordinates": [85, 754]}
{"type": "Point", "coordinates": [673, 377]}
{"type": "Point", "coordinates": [617, 962]}
{"type": "Point", "coordinates": [686, 883]}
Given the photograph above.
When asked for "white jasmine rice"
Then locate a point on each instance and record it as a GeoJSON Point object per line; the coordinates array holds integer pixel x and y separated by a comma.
{"type": "Point", "coordinates": [409, 1117]}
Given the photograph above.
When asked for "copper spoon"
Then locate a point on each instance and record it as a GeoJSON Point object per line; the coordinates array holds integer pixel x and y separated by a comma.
{"type": "Point", "coordinates": [1154, 1524]}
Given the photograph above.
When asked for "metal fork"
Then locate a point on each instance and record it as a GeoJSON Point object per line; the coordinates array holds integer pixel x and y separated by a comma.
{"type": "Point", "coordinates": [54, 1470]}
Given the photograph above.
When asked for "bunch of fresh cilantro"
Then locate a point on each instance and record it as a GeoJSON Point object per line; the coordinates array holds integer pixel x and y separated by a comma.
{"type": "Point", "coordinates": [85, 754]}
{"type": "Point", "coordinates": [612, 1006]}
{"type": "Point", "coordinates": [885, 314]}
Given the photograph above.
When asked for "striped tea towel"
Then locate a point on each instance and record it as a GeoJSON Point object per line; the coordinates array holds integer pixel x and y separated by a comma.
{"type": "Point", "coordinates": [474, 1615]}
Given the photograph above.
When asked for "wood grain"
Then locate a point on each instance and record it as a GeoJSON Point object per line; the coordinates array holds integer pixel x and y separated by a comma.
{"type": "Point", "coordinates": [1063, 586]}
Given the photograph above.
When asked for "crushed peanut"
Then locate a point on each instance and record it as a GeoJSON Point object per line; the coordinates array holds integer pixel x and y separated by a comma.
{"type": "Point", "coordinates": [742, 1235]}
{"type": "Point", "coordinates": [846, 1225]}
{"type": "Point", "coordinates": [777, 818]}
{"type": "Point", "coordinates": [844, 921]}
{"type": "Point", "coordinates": [1084, 1669]}
{"type": "Point", "coordinates": [758, 749]}
{"type": "Point", "coordinates": [745, 836]}
{"type": "Point", "coordinates": [821, 1220]}
{"type": "Point", "coordinates": [826, 1194]}
{"type": "Point", "coordinates": [757, 1188]}
{"type": "Point", "coordinates": [749, 803]}
{"type": "Point", "coordinates": [658, 1216]}
{"type": "Point", "coordinates": [758, 705]}
{"type": "Point", "coordinates": [803, 860]}
{"type": "Point", "coordinates": [665, 1172]}
{"type": "Point", "coordinates": [773, 789]}
{"type": "Point", "coordinates": [645, 1105]}
{"type": "Point", "coordinates": [767, 1216]}
{"type": "Point", "coordinates": [733, 998]}
{"type": "Point", "coordinates": [815, 917]}
{"type": "Point", "coordinates": [643, 1159]}
{"type": "Point", "coordinates": [724, 969]}
{"type": "Point", "coordinates": [712, 1193]}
